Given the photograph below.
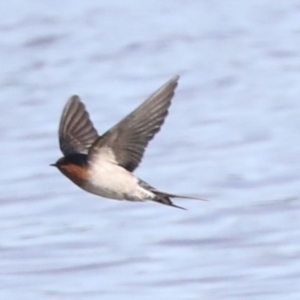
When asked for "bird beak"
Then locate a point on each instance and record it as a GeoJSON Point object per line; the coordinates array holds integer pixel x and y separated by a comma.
{"type": "Point", "coordinates": [53, 165]}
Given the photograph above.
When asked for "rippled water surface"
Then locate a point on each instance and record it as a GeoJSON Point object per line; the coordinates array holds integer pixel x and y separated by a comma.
{"type": "Point", "coordinates": [232, 137]}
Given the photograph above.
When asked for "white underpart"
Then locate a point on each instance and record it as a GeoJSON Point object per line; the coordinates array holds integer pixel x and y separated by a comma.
{"type": "Point", "coordinates": [109, 180]}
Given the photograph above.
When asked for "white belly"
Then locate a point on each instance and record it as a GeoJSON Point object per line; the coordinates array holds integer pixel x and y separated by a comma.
{"type": "Point", "coordinates": [112, 181]}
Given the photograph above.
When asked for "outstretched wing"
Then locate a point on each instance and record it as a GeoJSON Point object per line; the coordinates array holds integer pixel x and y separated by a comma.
{"type": "Point", "coordinates": [76, 130]}
{"type": "Point", "coordinates": [125, 143]}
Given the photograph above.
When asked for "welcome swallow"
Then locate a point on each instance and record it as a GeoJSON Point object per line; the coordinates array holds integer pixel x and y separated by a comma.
{"type": "Point", "coordinates": [103, 165]}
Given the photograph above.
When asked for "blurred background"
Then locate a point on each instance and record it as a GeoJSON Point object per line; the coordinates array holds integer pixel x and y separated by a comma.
{"type": "Point", "coordinates": [232, 137]}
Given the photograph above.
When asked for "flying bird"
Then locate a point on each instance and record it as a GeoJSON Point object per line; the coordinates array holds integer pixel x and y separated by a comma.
{"type": "Point", "coordinates": [104, 165]}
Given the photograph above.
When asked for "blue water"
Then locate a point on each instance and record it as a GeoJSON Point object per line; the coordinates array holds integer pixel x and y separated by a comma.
{"type": "Point", "coordinates": [232, 136]}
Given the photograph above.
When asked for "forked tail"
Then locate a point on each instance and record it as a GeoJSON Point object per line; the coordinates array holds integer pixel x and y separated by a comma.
{"type": "Point", "coordinates": [165, 199]}
{"type": "Point", "coordinates": [162, 197]}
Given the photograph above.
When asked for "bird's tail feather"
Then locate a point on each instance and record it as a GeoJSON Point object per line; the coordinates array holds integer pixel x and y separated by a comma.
{"type": "Point", "coordinates": [164, 198]}
{"type": "Point", "coordinates": [178, 196]}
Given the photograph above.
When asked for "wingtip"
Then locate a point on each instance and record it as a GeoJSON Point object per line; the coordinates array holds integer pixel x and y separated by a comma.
{"type": "Point", "coordinates": [175, 77]}
{"type": "Point", "coordinates": [74, 98]}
